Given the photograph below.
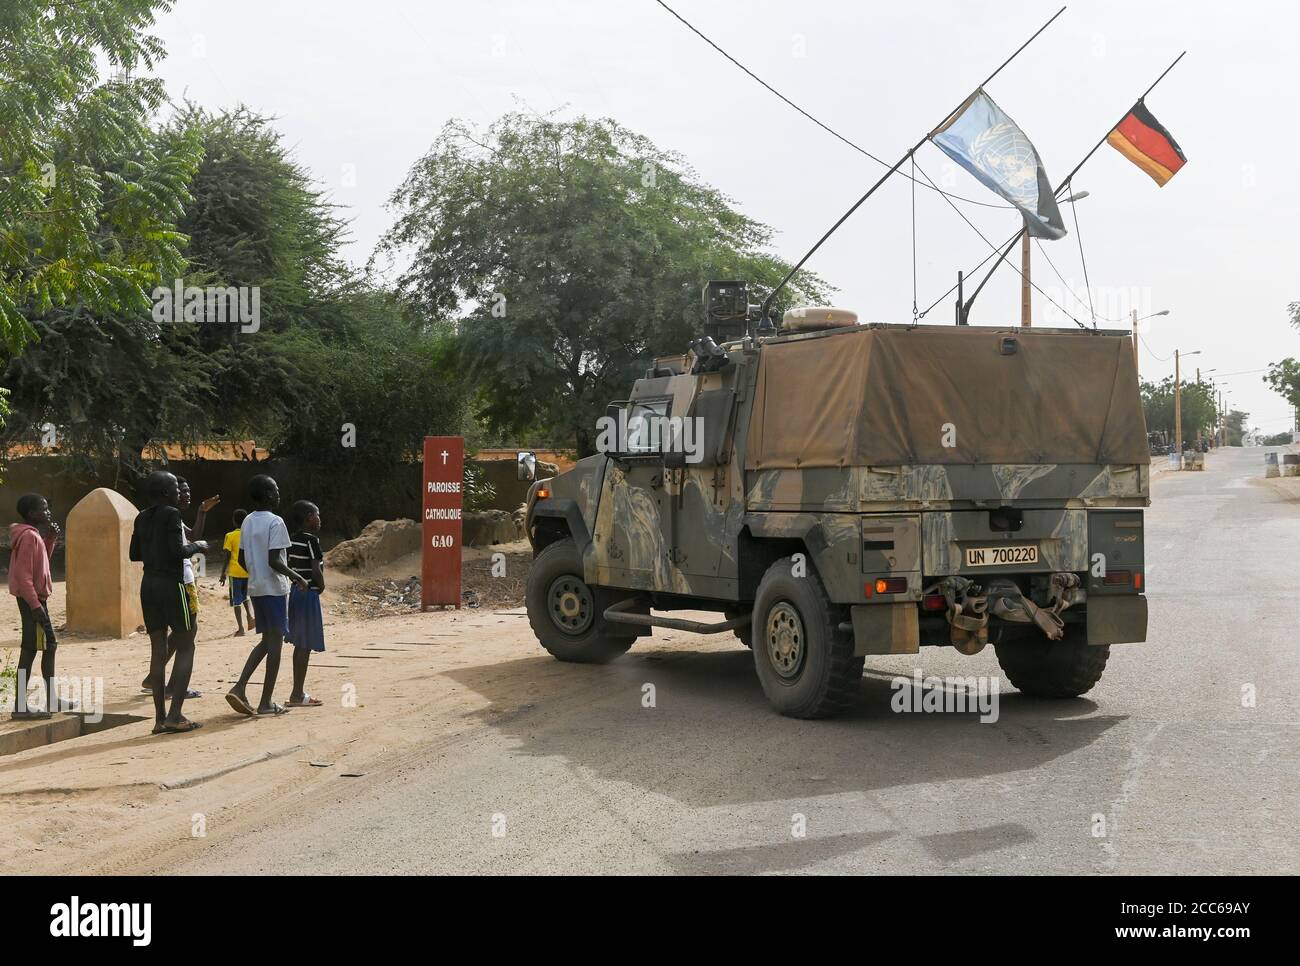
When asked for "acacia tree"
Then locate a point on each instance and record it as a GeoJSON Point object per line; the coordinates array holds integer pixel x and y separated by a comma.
{"type": "Point", "coordinates": [570, 253]}
{"type": "Point", "coordinates": [329, 350]}
{"type": "Point", "coordinates": [89, 197]}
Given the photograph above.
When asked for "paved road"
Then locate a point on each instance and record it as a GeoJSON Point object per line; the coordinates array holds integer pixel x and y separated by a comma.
{"type": "Point", "coordinates": [577, 776]}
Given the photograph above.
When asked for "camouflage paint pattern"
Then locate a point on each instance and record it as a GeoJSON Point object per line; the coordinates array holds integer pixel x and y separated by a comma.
{"type": "Point", "coordinates": [1061, 537]}
{"type": "Point", "coordinates": [677, 530]}
{"type": "Point", "coordinates": [883, 488]}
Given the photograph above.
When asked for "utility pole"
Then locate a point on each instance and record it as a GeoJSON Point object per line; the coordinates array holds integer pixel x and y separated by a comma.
{"type": "Point", "coordinates": [1137, 358]}
{"type": "Point", "coordinates": [1026, 299]}
{"type": "Point", "coordinates": [1178, 410]}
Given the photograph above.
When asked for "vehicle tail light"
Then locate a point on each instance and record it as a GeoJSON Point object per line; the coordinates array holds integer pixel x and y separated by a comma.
{"type": "Point", "coordinates": [933, 602]}
{"type": "Point", "coordinates": [891, 585]}
{"type": "Point", "coordinates": [1116, 578]}
{"type": "Point", "coordinates": [543, 493]}
{"type": "Point", "coordinates": [1137, 581]}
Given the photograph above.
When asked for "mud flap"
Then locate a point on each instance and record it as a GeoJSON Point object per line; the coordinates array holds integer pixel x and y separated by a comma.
{"type": "Point", "coordinates": [886, 629]}
{"type": "Point", "coordinates": [1117, 619]}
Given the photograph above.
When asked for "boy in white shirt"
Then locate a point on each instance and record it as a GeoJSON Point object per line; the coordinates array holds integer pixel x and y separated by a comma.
{"type": "Point", "coordinates": [263, 542]}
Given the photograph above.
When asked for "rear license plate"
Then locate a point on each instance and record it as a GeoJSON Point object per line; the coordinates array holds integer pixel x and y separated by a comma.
{"type": "Point", "coordinates": [1000, 556]}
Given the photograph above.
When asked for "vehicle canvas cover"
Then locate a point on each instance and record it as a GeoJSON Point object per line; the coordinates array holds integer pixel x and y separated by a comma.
{"type": "Point", "coordinates": [895, 396]}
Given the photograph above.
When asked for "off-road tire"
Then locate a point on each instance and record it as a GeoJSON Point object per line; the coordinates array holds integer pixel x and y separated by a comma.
{"type": "Point", "coordinates": [1053, 669]}
{"type": "Point", "coordinates": [594, 644]}
{"type": "Point", "coordinates": [827, 678]}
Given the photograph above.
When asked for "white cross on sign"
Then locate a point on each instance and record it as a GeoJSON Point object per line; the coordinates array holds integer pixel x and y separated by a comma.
{"type": "Point", "coordinates": [444, 457]}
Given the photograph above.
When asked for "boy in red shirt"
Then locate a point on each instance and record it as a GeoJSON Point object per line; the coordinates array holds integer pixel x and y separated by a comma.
{"type": "Point", "coordinates": [31, 544]}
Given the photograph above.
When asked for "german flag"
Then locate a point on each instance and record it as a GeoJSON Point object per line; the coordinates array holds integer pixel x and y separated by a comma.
{"type": "Point", "coordinates": [1144, 141]}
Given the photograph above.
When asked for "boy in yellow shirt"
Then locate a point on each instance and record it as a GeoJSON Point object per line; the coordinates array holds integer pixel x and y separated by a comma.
{"type": "Point", "coordinates": [238, 575]}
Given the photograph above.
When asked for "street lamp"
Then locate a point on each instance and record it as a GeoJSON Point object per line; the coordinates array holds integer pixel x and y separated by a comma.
{"type": "Point", "coordinates": [1151, 316]}
{"type": "Point", "coordinates": [1026, 299]}
{"type": "Point", "coordinates": [1178, 400]}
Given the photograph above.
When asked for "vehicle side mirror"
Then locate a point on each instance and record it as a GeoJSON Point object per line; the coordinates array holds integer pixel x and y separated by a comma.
{"type": "Point", "coordinates": [527, 465]}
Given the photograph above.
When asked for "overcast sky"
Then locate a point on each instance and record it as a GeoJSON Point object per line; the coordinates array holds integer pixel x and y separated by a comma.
{"type": "Point", "coordinates": [362, 89]}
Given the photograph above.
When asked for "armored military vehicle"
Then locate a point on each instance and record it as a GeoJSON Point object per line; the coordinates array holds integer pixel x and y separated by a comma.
{"type": "Point", "coordinates": [838, 490]}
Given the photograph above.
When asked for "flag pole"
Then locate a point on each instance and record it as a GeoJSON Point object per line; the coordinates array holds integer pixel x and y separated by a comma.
{"type": "Point", "coordinates": [765, 322]}
{"type": "Point", "coordinates": [1065, 183]}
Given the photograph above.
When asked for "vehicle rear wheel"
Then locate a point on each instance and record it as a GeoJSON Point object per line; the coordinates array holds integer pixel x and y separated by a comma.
{"type": "Point", "coordinates": [805, 663]}
{"type": "Point", "coordinates": [565, 612]}
{"type": "Point", "coordinates": [1053, 669]}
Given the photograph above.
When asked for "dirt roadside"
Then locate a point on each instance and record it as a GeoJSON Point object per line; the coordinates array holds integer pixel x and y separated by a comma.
{"type": "Point", "coordinates": [116, 799]}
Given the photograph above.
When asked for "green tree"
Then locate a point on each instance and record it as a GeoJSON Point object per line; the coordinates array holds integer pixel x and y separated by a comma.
{"type": "Point", "coordinates": [114, 382]}
{"type": "Point", "coordinates": [1198, 408]}
{"type": "Point", "coordinates": [571, 253]}
{"type": "Point", "coordinates": [1235, 424]}
{"type": "Point", "coordinates": [1284, 379]}
{"type": "Point", "coordinates": [89, 197]}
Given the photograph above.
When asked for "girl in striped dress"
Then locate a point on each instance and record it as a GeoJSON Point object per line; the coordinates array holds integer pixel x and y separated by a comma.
{"type": "Point", "coordinates": [306, 628]}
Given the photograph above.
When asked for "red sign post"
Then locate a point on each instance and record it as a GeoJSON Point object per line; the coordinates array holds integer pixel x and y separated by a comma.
{"type": "Point", "coordinates": [444, 497]}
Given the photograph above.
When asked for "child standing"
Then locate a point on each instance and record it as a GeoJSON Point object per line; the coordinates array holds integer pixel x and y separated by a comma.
{"type": "Point", "coordinates": [158, 541]}
{"type": "Point", "coordinates": [263, 540]}
{"type": "Point", "coordinates": [306, 628]}
{"type": "Point", "coordinates": [185, 497]}
{"type": "Point", "coordinates": [31, 545]}
{"type": "Point", "coordinates": [238, 576]}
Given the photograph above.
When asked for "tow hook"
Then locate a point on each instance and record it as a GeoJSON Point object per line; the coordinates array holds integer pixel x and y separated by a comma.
{"type": "Point", "coordinates": [967, 613]}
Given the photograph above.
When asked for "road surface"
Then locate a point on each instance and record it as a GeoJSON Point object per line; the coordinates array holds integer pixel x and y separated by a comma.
{"type": "Point", "coordinates": [1183, 759]}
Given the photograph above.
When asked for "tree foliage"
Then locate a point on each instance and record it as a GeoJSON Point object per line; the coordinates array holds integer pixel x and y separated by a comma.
{"type": "Point", "coordinates": [1197, 402]}
{"type": "Point", "coordinates": [329, 350]}
{"type": "Point", "coordinates": [90, 197]}
{"type": "Point", "coordinates": [571, 253]}
{"type": "Point", "coordinates": [1284, 379]}
{"type": "Point", "coordinates": [1235, 426]}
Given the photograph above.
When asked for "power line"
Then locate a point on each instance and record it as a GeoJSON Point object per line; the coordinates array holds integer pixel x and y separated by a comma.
{"type": "Point", "coordinates": [961, 214]}
{"type": "Point", "coordinates": [825, 127]}
{"type": "Point", "coordinates": [1068, 287]}
{"type": "Point", "coordinates": [1158, 358]}
{"type": "Point", "coordinates": [1087, 286]}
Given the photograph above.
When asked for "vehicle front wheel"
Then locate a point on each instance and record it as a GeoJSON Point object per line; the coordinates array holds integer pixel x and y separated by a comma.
{"type": "Point", "coordinates": [1053, 669]}
{"type": "Point", "coordinates": [565, 612]}
{"type": "Point", "coordinates": [805, 663]}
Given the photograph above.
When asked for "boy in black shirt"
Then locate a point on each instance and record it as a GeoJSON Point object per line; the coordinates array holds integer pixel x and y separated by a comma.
{"type": "Point", "coordinates": [158, 542]}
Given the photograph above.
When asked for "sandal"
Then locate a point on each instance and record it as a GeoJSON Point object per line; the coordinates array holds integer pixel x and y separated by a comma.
{"type": "Point", "coordinates": [239, 704]}
{"type": "Point", "coordinates": [307, 702]}
{"type": "Point", "coordinates": [177, 729]}
{"type": "Point", "coordinates": [274, 709]}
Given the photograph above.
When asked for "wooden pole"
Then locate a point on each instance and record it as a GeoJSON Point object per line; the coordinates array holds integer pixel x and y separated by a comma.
{"type": "Point", "coordinates": [1137, 357]}
{"type": "Point", "coordinates": [1026, 298]}
{"type": "Point", "coordinates": [1178, 410]}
